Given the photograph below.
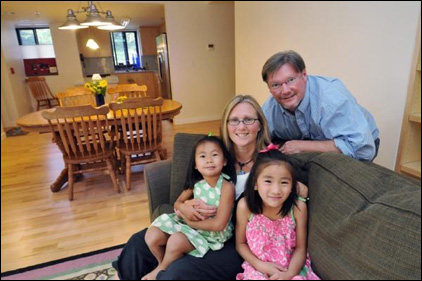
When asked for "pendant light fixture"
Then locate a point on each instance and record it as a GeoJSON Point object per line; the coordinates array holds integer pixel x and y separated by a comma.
{"type": "Point", "coordinates": [93, 18]}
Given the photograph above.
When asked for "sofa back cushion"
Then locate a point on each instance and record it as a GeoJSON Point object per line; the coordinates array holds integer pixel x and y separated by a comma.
{"type": "Point", "coordinates": [182, 150]}
{"type": "Point", "coordinates": [364, 220]}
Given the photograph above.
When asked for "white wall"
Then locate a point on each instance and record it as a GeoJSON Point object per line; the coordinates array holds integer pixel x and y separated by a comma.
{"type": "Point", "coordinates": [16, 96]}
{"type": "Point", "coordinates": [202, 80]}
{"type": "Point", "coordinates": [67, 59]}
{"type": "Point", "coordinates": [368, 45]}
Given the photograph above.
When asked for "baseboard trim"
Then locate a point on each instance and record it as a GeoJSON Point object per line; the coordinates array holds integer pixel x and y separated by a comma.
{"type": "Point", "coordinates": [180, 121]}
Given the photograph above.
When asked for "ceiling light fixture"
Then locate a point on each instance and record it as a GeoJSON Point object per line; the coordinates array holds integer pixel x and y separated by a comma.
{"type": "Point", "coordinates": [93, 19]}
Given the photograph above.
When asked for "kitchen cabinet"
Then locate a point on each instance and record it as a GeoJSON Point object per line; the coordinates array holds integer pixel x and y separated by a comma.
{"type": "Point", "coordinates": [148, 78]}
{"type": "Point", "coordinates": [102, 37]}
{"type": "Point", "coordinates": [148, 34]}
{"type": "Point", "coordinates": [409, 154]}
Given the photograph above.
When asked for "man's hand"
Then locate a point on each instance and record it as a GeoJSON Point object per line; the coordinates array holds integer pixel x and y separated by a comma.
{"type": "Point", "coordinates": [292, 147]}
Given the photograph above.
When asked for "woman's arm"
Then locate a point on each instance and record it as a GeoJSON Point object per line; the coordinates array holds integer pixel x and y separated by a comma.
{"type": "Point", "coordinates": [242, 247]}
{"type": "Point", "coordinates": [297, 262]}
{"type": "Point", "coordinates": [301, 189]}
{"type": "Point", "coordinates": [187, 209]}
{"type": "Point", "coordinates": [198, 210]}
{"type": "Point", "coordinates": [219, 222]}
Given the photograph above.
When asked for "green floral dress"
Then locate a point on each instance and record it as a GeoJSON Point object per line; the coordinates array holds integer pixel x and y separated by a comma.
{"type": "Point", "coordinates": [202, 240]}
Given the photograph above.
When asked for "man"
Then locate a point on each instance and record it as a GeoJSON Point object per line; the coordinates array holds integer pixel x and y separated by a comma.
{"type": "Point", "coordinates": [314, 113]}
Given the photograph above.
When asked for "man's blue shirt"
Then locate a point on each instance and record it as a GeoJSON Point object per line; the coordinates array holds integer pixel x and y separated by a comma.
{"type": "Point", "coordinates": [327, 112]}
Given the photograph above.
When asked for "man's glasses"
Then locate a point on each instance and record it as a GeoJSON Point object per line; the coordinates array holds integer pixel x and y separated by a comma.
{"type": "Point", "coordinates": [290, 82]}
{"type": "Point", "coordinates": [246, 121]}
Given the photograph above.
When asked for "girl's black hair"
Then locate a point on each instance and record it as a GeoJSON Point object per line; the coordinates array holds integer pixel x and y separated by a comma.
{"type": "Point", "coordinates": [263, 160]}
{"type": "Point", "coordinates": [195, 176]}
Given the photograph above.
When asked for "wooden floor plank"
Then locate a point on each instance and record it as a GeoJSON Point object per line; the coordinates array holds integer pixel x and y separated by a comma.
{"type": "Point", "coordinates": [39, 226]}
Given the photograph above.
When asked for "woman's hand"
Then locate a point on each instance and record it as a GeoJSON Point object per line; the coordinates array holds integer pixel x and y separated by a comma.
{"type": "Point", "coordinates": [302, 190]}
{"type": "Point", "coordinates": [196, 210]}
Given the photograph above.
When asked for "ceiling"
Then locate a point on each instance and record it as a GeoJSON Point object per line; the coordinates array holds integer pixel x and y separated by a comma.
{"type": "Point", "coordinates": [30, 13]}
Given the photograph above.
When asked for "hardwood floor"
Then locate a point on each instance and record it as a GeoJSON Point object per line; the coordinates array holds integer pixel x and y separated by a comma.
{"type": "Point", "coordinates": [39, 226]}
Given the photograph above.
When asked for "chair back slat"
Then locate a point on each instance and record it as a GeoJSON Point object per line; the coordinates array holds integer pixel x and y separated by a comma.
{"type": "Point", "coordinates": [143, 121]}
{"type": "Point", "coordinates": [77, 98]}
{"type": "Point", "coordinates": [41, 92]}
{"type": "Point", "coordinates": [81, 129]}
{"type": "Point", "coordinates": [129, 90]}
{"type": "Point", "coordinates": [140, 123]}
{"type": "Point", "coordinates": [77, 131]}
{"type": "Point", "coordinates": [39, 88]}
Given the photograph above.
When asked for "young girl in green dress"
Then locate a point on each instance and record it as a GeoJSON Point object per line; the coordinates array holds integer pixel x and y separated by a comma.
{"type": "Point", "coordinates": [212, 175]}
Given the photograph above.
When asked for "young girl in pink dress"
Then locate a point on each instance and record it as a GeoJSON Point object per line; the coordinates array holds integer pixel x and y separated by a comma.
{"type": "Point", "coordinates": [271, 222]}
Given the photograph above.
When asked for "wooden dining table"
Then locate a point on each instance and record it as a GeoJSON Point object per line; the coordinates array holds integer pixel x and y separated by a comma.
{"type": "Point", "coordinates": [34, 122]}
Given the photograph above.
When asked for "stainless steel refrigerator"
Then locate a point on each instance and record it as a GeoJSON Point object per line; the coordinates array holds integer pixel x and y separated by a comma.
{"type": "Point", "coordinates": [163, 66]}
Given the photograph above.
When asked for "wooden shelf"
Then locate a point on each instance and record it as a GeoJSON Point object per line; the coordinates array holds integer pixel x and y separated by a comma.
{"type": "Point", "coordinates": [413, 168]}
{"type": "Point", "coordinates": [409, 153]}
{"type": "Point", "coordinates": [415, 117]}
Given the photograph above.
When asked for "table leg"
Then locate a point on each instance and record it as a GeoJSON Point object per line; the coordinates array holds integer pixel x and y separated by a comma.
{"type": "Point", "coordinates": [57, 185]}
{"type": "Point", "coordinates": [63, 178]}
{"type": "Point", "coordinates": [60, 181]}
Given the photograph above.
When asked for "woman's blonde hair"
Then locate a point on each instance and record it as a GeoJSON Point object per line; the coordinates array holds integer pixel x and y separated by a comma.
{"type": "Point", "coordinates": [263, 137]}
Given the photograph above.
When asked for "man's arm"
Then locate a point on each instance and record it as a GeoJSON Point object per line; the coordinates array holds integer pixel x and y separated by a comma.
{"type": "Point", "coordinates": [298, 146]}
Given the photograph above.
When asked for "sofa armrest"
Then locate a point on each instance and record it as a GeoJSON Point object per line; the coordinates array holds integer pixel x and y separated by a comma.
{"type": "Point", "coordinates": [157, 180]}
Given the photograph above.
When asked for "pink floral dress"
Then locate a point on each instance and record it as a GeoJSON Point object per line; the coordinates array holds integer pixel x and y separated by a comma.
{"type": "Point", "coordinates": [273, 241]}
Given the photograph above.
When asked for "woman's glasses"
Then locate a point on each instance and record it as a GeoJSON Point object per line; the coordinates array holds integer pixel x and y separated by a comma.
{"type": "Point", "coordinates": [246, 121]}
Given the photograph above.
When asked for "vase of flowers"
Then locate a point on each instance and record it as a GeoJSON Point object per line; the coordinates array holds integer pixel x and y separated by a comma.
{"type": "Point", "coordinates": [98, 87]}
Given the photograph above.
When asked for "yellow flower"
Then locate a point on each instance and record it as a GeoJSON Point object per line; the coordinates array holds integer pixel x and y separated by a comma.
{"type": "Point", "coordinates": [97, 86]}
{"type": "Point", "coordinates": [121, 99]}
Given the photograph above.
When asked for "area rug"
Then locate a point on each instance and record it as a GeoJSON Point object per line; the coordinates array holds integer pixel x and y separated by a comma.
{"type": "Point", "coordinates": [89, 266]}
{"type": "Point", "coordinates": [15, 131]}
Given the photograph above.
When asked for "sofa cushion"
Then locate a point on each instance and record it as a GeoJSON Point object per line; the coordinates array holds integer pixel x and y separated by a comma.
{"type": "Point", "coordinates": [183, 146]}
{"type": "Point", "coordinates": [364, 220]}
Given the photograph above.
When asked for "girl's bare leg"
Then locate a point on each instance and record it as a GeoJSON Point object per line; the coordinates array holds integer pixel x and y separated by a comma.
{"type": "Point", "coordinates": [177, 245]}
{"type": "Point", "coordinates": [156, 240]}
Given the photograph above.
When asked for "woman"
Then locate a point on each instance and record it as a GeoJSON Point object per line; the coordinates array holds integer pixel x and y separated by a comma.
{"type": "Point", "coordinates": [244, 131]}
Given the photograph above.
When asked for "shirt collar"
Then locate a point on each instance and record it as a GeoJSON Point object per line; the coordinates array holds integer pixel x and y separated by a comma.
{"type": "Point", "coordinates": [306, 99]}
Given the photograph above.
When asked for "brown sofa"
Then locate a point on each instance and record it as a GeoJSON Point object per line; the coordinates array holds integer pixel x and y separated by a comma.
{"type": "Point", "coordinates": [364, 220]}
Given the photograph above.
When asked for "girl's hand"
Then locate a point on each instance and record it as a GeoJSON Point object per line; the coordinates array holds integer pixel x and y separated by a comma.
{"type": "Point", "coordinates": [270, 269]}
{"type": "Point", "coordinates": [281, 276]}
{"type": "Point", "coordinates": [203, 209]}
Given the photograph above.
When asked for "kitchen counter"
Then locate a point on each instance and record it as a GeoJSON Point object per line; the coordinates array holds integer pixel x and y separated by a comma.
{"type": "Point", "coordinates": [132, 71]}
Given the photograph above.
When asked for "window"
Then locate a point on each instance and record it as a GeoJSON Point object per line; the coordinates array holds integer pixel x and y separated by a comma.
{"type": "Point", "coordinates": [125, 49]}
{"type": "Point", "coordinates": [34, 36]}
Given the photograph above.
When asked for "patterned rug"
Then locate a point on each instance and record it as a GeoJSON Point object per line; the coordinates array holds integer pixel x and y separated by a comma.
{"type": "Point", "coordinates": [15, 131]}
{"type": "Point", "coordinates": [89, 266]}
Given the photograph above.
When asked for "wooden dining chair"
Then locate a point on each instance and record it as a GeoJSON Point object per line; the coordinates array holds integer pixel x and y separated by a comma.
{"type": "Point", "coordinates": [81, 133]}
{"type": "Point", "coordinates": [138, 129]}
{"type": "Point", "coordinates": [76, 98]}
{"type": "Point", "coordinates": [129, 90]}
{"type": "Point", "coordinates": [41, 92]}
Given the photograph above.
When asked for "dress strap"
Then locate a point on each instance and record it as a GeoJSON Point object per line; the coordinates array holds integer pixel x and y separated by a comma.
{"type": "Point", "coordinates": [225, 176]}
{"type": "Point", "coordinates": [250, 217]}
{"type": "Point", "coordinates": [292, 215]}
{"type": "Point", "coordinates": [303, 199]}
